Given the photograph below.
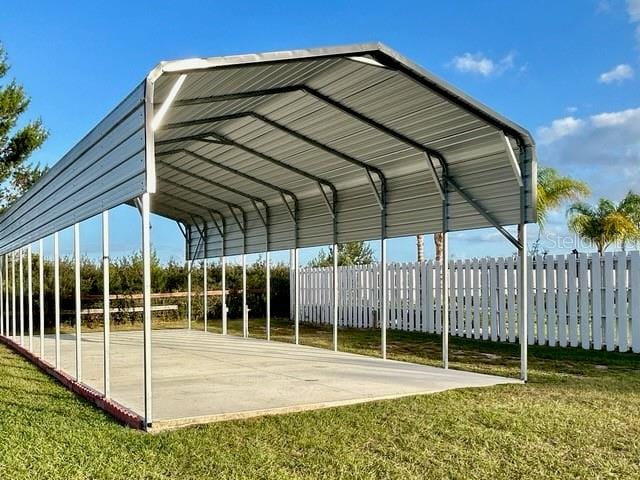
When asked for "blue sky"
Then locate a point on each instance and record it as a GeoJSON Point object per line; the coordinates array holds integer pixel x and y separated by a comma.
{"type": "Point", "coordinates": [566, 70]}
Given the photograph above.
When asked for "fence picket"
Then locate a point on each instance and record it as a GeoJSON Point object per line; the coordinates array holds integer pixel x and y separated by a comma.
{"type": "Point", "coordinates": [363, 295]}
{"type": "Point", "coordinates": [540, 308]}
{"type": "Point", "coordinates": [468, 328]}
{"type": "Point", "coordinates": [511, 301]}
{"type": "Point", "coordinates": [392, 295]}
{"type": "Point", "coordinates": [493, 300]}
{"type": "Point", "coordinates": [610, 319]}
{"type": "Point", "coordinates": [572, 300]}
{"type": "Point", "coordinates": [561, 287]}
{"type": "Point", "coordinates": [452, 306]}
{"type": "Point", "coordinates": [484, 283]}
{"type": "Point", "coordinates": [583, 292]}
{"type": "Point", "coordinates": [596, 301]}
{"type": "Point", "coordinates": [424, 297]}
{"type": "Point", "coordinates": [437, 267]}
{"type": "Point", "coordinates": [316, 295]}
{"type": "Point", "coordinates": [550, 300]}
{"type": "Point", "coordinates": [313, 291]}
{"type": "Point", "coordinates": [500, 297]}
{"type": "Point", "coordinates": [459, 298]}
{"type": "Point", "coordinates": [530, 319]}
{"type": "Point", "coordinates": [342, 298]}
{"type": "Point", "coordinates": [400, 280]}
{"type": "Point", "coordinates": [634, 300]}
{"type": "Point", "coordinates": [417, 295]}
{"type": "Point", "coordinates": [621, 304]}
{"type": "Point", "coordinates": [410, 302]}
{"type": "Point", "coordinates": [475, 268]}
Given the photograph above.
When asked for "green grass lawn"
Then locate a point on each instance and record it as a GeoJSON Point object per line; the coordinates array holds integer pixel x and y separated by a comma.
{"type": "Point", "coordinates": [578, 417]}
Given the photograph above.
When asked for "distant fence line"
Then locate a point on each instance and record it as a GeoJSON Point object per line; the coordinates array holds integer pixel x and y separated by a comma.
{"type": "Point", "coordinates": [585, 300]}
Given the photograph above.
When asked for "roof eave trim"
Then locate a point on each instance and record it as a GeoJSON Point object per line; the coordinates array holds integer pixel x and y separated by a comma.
{"type": "Point", "coordinates": [195, 64]}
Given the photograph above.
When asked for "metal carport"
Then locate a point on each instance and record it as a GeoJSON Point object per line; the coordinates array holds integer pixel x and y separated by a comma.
{"type": "Point", "coordinates": [263, 152]}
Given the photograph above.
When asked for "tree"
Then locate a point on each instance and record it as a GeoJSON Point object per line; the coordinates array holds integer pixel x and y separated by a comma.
{"type": "Point", "coordinates": [607, 223]}
{"type": "Point", "coordinates": [350, 253]}
{"type": "Point", "coordinates": [16, 143]}
{"type": "Point", "coordinates": [420, 248]}
{"type": "Point", "coordinates": [553, 190]}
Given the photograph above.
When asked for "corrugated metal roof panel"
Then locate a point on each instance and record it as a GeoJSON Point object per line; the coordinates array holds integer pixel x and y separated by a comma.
{"type": "Point", "coordinates": [247, 128]}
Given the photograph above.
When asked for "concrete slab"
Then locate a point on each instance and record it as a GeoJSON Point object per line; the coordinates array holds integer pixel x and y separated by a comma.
{"type": "Point", "coordinates": [202, 377]}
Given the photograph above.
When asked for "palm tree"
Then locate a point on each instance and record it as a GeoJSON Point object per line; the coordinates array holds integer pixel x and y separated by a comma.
{"type": "Point", "coordinates": [607, 223]}
{"type": "Point", "coordinates": [553, 190]}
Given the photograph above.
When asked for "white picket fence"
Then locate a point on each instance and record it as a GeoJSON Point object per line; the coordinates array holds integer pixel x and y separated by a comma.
{"type": "Point", "coordinates": [587, 301]}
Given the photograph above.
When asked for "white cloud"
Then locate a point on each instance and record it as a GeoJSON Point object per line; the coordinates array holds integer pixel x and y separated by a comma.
{"type": "Point", "coordinates": [612, 119]}
{"type": "Point", "coordinates": [603, 6]}
{"type": "Point", "coordinates": [470, 63]}
{"type": "Point", "coordinates": [618, 74]}
{"type": "Point", "coordinates": [603, 149]}
{"type": "Point", "coordinates": [479, 64]}
{"type": "Point", "coordinates": [559, 128]}
{"type": "Point", "coordinates": [633, 7]}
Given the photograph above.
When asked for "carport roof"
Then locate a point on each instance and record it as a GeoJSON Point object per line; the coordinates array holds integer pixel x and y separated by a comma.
{"type": "Point", "coordinates": [296, 148]}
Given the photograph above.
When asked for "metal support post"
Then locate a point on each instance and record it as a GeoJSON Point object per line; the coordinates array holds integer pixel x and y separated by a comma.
{"type": "Point", "coordinates": [106, 307]}
{"type": "Point", "coordinates": [13, 296]}
{"type": "Point", "coordinates": [445, 277]}
{"type": "Point", "coordinates": [56, 301]}
{"type": "Point", "coordinates": [522, 299]}
{"type": "Point", "coordinates": [205, 287]}
{"type": "Point", "coordinates": [41, 293]}
{"type": "Point", "coordinates": [296, 304]}
{"type": "Point", "coordinates": [189, 268]}
{"type": "Point", "coordinates": [21, 296]}
{"type": "Point", "coordinates": [76, 252]}
{"type": "Point", "coordinates": [245, 313]}
{"type": "Point", "coordinates": [30, 296]}
{"type": "Point", "coordinates": [146, 268]}
{"type": "Point", "coordinates": [224, 294]}
{"type": "Point", "coordinates": [268, 293]}
{"type": "Point", "coordinates": [383, 297]}
{"type": "Point", "coordinates": [334, 306]}
{"type": "Point", "coordinates": [2, 279]}
{"type": "Point", "coordinates": [6, 294]}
